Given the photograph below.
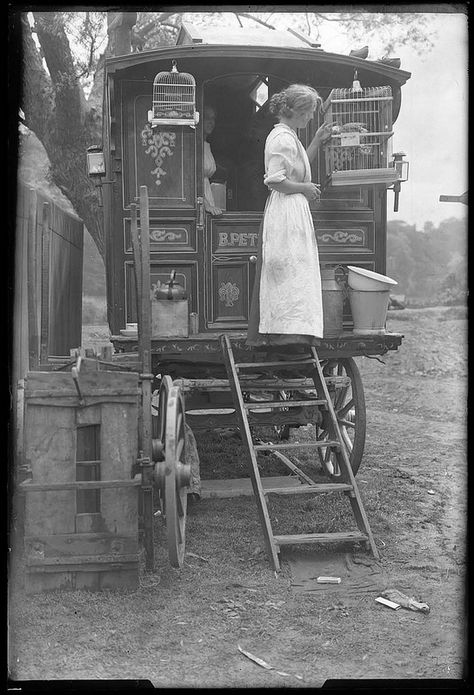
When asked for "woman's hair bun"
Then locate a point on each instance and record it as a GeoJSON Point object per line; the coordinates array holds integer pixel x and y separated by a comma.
{"type": "Point", "coordinates": [295, 98]}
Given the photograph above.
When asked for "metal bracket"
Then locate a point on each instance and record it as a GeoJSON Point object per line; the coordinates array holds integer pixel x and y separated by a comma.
{"type": "Point", "coordinates": [75, 375]}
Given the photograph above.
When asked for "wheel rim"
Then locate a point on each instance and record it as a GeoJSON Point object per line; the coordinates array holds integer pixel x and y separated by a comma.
{"type": "Point", "coordinates": [349, 406]}
{"type": "Point", "coordinates": [159, 408]}
{"type": "Point", "coordinates": [177, 477]}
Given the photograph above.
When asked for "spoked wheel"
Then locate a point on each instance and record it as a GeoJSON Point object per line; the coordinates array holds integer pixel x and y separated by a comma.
{"type": "Point", "coordinates": [349, 404]}
{"type": "Point", "coordinates": [158, 418]}
{"type": "Point", "coordinates": [177, 476]}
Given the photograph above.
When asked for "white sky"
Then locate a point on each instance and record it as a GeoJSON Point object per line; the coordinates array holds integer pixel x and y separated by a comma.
{"type": "Point", "coordinates": [432, 126]}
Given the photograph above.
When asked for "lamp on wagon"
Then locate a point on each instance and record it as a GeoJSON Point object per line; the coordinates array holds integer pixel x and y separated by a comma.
{"type": "Point", "coordinates": [96, 167]}
{"type": "Point", "coordinates": [174, 99]}
{"type": "Point", "coordinates": [401, 167]}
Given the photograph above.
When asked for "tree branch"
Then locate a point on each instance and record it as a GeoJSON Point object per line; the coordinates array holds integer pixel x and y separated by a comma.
{"type": "Point", "coordinates": [255, 19]}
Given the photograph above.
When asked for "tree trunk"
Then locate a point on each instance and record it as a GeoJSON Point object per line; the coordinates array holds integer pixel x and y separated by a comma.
{"type": "Point", "coordinates": [56, 110]}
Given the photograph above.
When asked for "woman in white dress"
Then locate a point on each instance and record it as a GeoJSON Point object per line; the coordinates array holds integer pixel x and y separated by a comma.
{"type": "Point", "coordinates": [208, 125]}
{"type": "Point", "coordinates": [287, 302]}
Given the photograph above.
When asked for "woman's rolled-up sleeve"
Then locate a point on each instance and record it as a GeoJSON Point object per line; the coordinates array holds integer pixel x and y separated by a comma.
{"type": "Point", "coordinates": [279, 159]}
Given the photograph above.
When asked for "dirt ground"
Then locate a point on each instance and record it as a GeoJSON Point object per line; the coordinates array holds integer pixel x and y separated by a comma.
{"type": "Point", "coordinates": [184, 627]}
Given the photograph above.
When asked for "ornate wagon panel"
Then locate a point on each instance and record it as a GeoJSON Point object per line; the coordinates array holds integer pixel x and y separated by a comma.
{"type": "Point", "coordinates": [161, 158]}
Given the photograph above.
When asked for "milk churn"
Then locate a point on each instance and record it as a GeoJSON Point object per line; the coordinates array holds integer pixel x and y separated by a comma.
{"type": "Point", "coordinates": [169, 310]}
{"type": "Point", "coordinates": [332, 285]}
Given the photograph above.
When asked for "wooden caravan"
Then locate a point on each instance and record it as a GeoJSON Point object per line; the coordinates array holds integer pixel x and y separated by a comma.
{"type": "Point", "coordinates": [213, 257]}
{"type": "Point", "coordinates": [179, 280]}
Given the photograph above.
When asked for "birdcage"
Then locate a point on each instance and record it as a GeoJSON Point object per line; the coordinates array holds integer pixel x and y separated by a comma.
{"type": "Point", "coordinates": [174, 99]}
{"type": "Point", "coordinates": [359, 150]}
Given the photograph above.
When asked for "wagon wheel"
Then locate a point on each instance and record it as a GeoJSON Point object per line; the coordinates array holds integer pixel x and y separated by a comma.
{"type": "Point", "coordinates": [177, 476]}
{"type": "Point", "coordinates": [349, 406]}
{"type": "Point", "coordinates": [158, 419]}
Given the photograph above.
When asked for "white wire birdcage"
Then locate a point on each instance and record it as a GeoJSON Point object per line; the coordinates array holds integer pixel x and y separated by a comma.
{"type": "Point", "coordinates": [174, 98]}
{"type": "Point", "coordinates": [360, 147]}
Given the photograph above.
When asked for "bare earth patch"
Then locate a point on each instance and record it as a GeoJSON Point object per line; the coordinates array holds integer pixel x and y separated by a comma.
{"type": "Point", "coordinates": [184, 627]}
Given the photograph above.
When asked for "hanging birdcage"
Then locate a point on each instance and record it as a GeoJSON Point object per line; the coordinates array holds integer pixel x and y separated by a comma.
{"type": "Point", "coordinates": [360, 147]}
{"type": "Point", "coordinates": [174, 99]}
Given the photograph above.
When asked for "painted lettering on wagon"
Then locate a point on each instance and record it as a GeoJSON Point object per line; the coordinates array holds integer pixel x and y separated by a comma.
{"type": "Point", "coordinates": [226, 239]}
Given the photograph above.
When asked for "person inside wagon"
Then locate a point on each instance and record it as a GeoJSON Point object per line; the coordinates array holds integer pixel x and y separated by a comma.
{"type": "Point", "coordinates": [211, 169]}
{"type": "Point", "coordinates": [286, 308]}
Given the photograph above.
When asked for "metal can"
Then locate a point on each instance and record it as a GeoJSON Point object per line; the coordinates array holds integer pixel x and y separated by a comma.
{"type": "Point", "coordinates": [193, 323]}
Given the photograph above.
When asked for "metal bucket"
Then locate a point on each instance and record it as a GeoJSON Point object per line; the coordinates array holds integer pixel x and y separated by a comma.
{"type": "Point", "coordinates": [333, 301]}
{"type": "Point", "coordinates": [369, 311]}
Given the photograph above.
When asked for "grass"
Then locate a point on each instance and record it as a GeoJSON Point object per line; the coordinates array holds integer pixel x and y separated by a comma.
{"type": "Point", "coordinates": [182, 627]}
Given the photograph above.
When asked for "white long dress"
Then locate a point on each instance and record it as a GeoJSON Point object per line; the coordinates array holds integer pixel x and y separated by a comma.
{"type": "Point", "coordinates": [209, 169]}
{"type": "Point", "coordinates": [290, 281]}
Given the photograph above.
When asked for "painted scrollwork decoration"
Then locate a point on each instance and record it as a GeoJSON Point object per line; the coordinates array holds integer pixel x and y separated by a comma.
{"type": "Point", "coordinates": [228, 293]}
{"type": "Point", "coordinates": [159, 145]}
{"type": "Point", "coordinates": [342, 237]}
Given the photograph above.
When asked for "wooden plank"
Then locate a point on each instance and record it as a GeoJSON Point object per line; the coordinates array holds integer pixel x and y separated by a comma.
{"type": "Point", "coordinates": [145, 328]}
{"type": "Point", "coordinates": [242, 487]}
{"type": "Point", "coordinates": [309, 489]}
{"type": "Point", "coordinates": [280, 364]}
{"type": "Point", "coordinates": [33, 336]}
{"type": "Point", "coordinates": [299, 445]}
{"type": "Point", "coordinates": [20, 355]}
{"type": "Point", "coordinates": [55, 384]}
{"type": "Point", "coordinates": [73, 401]}
{"type": "Point", "coordinates": [45, 263]}
{"type": "Point", "coordinates": [81, 560]}
{"type": "Point", "coordinates": [338, 537]}
{"type": "Point", "coordinates": [28, 486]}
{"type": "Point", "coordinates": [119, 442]}
{"type": "Point", "coordinates": [217, 385]}
{"type": "Point", "coordinates": [277, 405]}
{"type": "Point", "coordinates": [50, 444]}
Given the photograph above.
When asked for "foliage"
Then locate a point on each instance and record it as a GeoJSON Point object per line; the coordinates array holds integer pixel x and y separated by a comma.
{"type": "Point", "coordinates": [430, 266]}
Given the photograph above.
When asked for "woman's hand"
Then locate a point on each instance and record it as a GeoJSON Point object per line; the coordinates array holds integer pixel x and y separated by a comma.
{"type": "Point", "coordinates": [311, 191]}
{"type": "Point", "coordinates": [212, 209]}
{"type": "Point", "coordinates": [324, 132]}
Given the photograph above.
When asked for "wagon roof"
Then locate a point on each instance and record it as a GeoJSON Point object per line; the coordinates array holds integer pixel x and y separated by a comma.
{"type": "Point", "coordinates": [211, 59]}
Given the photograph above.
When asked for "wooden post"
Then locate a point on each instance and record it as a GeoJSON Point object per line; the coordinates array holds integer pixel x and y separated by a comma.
{"type": "Point", "coordinates": [146, 377]}
{"type": "Point", "coordinates": [45, 271]}
{"type": "Point", "coordinates": [33, 337]}
{"type": "Point", "coordinates": [137, 268]}
{"type": "Point", "coordinates": [145, 335]}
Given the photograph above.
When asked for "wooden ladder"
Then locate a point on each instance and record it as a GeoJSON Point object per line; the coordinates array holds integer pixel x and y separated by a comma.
{"type": "Point", "coordinates": [236, 373]}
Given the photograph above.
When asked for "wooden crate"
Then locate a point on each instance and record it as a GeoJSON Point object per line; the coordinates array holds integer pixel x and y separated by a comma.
{"type": "Point", "coordinates": [81, 503]}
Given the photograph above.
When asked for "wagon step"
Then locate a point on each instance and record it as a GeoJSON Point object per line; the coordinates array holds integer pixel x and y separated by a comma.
{"type": "Point", "coordinates": [335, 537]}
{"type": "Point", "coordinates": [324, 444]}
{"type": "Point", "coordinates": [335, 443]}
{"type": "Point", "coordinates": [265, 405]}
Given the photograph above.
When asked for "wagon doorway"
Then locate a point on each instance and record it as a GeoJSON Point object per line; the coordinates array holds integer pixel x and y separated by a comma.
{"type": "Point", "coordinates": [242, 123]}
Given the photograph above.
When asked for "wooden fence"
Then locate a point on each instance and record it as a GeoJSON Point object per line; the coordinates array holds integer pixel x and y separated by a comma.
{"type": "Point", "coordinates": [48, 281]}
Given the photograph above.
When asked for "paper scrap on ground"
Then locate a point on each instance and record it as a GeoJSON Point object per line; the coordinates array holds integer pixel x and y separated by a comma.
{"type": "Point", "coordinates": [264, 664]}
{"type": "Point", "coordinates": [405, 601]}
{"type": "Point", "coordinates": [386, 602]}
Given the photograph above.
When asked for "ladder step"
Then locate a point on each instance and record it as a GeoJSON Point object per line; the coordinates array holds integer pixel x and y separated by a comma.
{"type": "Point", "coordinates": [307, 489]}
{"type": "Point", "coordinates": [326, 443]}
{"type": "Point", "coordinates": [301, 538]}
{"type": "Point", "coordinates": [289, 363]}
{"type": "Point", "coordinates": [257, 405]}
